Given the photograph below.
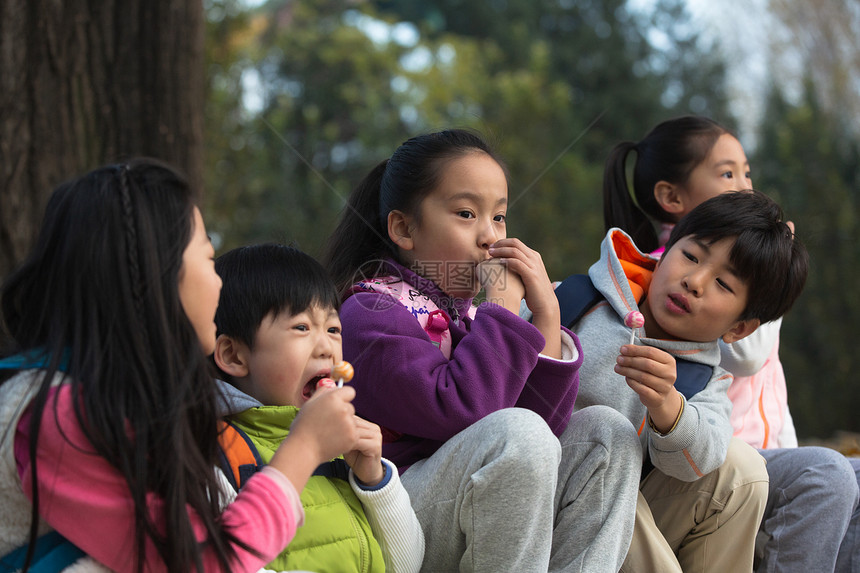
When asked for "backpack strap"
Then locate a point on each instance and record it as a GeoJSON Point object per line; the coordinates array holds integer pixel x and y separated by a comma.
{"type": "Point", "coordinates": [238, 455]}
{"type": "Point", "coordinates": [577, 295]}
{"type": "Point", "coordinates": [437, 328]}
{"type": "Point", "coordinates": [692, 377]}
{"type": "Point", "coordinates": [33, 359]}
{"type": "Point", "coordinates": [432, 319]}
{"type": "Point", "coordinates": [240, 458]}
{"type": "Point", "coordinates": [337, 468]}
{"type": "Point", "coordinates": [52, 553]}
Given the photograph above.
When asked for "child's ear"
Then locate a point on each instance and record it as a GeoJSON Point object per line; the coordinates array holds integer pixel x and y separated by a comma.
{"type": "Point", "coordinates": [231, 356]}
{"type": "Point", "coordinates": [741, 329]}
{"type": "Point", "coordinates": [399, 230]}
{"type": "Point", "coordinates": [670, 198]}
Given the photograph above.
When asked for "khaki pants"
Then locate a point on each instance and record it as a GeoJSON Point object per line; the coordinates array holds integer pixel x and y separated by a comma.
{"type": "Point", "coordinates": [706, 525]}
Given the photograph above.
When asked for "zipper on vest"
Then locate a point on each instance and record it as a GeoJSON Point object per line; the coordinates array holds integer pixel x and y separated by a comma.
{"type": "Point", "coordinates": [361, 537]}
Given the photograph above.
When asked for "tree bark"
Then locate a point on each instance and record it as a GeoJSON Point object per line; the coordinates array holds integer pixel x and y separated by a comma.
{"type": "Point", "coordinates": [88, 82]}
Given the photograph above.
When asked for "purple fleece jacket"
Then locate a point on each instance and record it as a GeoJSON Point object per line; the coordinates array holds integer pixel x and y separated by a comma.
{"type": "Point", "coordinates": [405, 384]}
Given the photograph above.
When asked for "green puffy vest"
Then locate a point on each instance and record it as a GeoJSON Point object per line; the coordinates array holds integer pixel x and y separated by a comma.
{"type": "Point", "coordinates": [336, 535]}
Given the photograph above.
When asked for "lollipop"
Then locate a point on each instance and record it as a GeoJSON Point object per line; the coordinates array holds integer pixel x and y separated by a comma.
{"type": "Point", "coordinates": [634, 320]}
{"type": "Point", "coordinates": [343, 372]}
{"type": "Point", "coordinates": [326, 383]}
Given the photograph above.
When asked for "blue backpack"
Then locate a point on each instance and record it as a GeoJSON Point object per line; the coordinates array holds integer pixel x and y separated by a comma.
{"type": "Point", "coordinates": [52, 551]}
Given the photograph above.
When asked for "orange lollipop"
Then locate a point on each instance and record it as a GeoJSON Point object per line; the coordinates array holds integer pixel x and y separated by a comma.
{"type": "Point", "coordinates": [343, 371]}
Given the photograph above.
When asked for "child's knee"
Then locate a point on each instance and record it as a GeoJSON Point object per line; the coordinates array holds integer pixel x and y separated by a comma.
{"type": "Point", "coordinates": [830, 471]}
{"type": "Point", "coordinates": [523, 440]}
{"type": "Point", "coordinates": [742, 479]}
{"type": "Point", "coordinates": [602, 422]}
{"type": "Point", "coordinates": [744, 463]}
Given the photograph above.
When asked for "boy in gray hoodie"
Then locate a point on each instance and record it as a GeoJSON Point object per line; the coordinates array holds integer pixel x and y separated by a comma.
{"type": "Point", "coordinates": [729, 265]}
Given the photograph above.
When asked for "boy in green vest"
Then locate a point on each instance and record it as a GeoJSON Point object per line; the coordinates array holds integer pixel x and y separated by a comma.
{"type": "Point", "coordinates": [279, 335]}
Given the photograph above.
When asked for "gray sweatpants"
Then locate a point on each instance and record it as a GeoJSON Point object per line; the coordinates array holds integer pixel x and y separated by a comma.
{"type": "Point", "coordinates": [812, 496]}
{"type": "Point", "coordinates": [506, 495]}
{"type": "Point", "coordinates": [849, 553]}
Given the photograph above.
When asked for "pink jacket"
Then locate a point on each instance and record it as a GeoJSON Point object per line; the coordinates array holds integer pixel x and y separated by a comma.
{"type": "Point", "coordinates": [760, 415]}
{"type": "Point", "coordinates": [76, 486]}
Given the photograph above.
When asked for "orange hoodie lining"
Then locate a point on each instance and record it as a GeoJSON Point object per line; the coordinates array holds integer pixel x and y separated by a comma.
{"type": "Point", "coordinates": [638, 268]}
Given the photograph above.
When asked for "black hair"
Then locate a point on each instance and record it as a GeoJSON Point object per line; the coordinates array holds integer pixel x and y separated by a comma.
{"type": "Point", "coordinates": [398, 183]}
{"type": "Point", "coordinates": [261, 280]}
{"type": "Point", "coordinates": [100, 292]}
{"type": "Point", "coordinates": [766, 255]}
{"type": "Point", "coordinates": [669, 152]}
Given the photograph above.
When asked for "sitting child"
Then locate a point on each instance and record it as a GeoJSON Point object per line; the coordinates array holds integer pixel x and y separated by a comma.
{"type": "Point", "coordinates": [731, 264]}
{"type": "Point", "coordinates": [679, 164]}
{"type": "Point", "coordinates": [279, 335]}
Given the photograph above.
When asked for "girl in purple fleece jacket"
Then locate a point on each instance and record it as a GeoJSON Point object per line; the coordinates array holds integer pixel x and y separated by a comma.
{"type": "Point", "coordinates": [476, 403]}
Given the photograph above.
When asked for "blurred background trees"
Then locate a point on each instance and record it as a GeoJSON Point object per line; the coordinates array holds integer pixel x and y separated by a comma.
{"type": "Point", "coordinates": [84, 82]}
{"type": "Point", "coordinates": [303, 97]}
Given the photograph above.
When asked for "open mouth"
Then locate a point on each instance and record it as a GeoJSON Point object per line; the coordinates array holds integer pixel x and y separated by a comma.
{"type": "Point", "coordinates": [311, 386]}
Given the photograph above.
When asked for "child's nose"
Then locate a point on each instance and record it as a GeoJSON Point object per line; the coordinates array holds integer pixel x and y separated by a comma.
{"type": "Point", "coordinates": [694, 282]}
{"type": "Point", "coordinates": [324, 345]}
{"type": "Point", "coordinates": [740, 184]}
{"type": "Point", "coordinates": [487, 236]}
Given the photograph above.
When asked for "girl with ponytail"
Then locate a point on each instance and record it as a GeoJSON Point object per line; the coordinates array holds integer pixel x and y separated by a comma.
{"type": "Point", "coordinates": [473, 400]}
{"type": "Point", "coordinates": [679, 164]}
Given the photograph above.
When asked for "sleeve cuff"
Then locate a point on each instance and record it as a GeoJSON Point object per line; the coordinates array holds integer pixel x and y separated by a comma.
{"type": "Point", "coordinates": [569, 352]}
{"type": "Point", "coordinates": [386, 478]}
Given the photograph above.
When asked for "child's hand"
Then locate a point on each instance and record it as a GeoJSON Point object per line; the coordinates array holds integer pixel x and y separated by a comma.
{"type": "Point", "coordinates": [501, 286]}
{"type": "Point", "coordinates": [651, 373]}
{"type": "Point", "coordinates": [366, 459]}
{"type": "Point", "coordinates": [328, 420]}
{"type": "Point", "coordinates": [324, 429]}
{"type": "Point", "coordinates": [539, 294]}
{"type": "Point", "coordinates": [528, 265]}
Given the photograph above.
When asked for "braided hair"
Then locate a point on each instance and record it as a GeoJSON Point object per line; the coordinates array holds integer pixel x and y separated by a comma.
{"type": "Point", "coordinates": [100, 289]}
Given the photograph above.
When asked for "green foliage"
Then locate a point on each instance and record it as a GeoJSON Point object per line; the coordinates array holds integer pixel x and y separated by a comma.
{"type": "Point", "coordinates": [811, 165]}
{"type": "Point", "coordinates": [327, 111]}
{"type": "Point", "coordinates": [336, 85]}
{"type": "Point", "coordinates": [557, 83]}
{"type": "Point", "coordinates": [554, 84]}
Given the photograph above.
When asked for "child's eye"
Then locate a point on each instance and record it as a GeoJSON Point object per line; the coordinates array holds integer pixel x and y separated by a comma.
{"type": "Point", "coordinates": [728, 175]}
{"type": "Point", "coordinates": [724, 285]}
{"type": "Point", "coordinates": [500, 218]}
{"type": "Point", "coordinates": [301, 327]}
{"type": "Point", "coordinates": [334, 330]}
{"type": "Point", "coordinates": [690, 256]}
{"type": "Point", "coordinates": [465, 214]}
{"type": "Point", "coordinates": [748, 175]}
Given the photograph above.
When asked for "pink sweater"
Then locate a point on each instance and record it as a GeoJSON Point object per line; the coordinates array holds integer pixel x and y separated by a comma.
{"type": "Point", "coordinates": [87, 501]}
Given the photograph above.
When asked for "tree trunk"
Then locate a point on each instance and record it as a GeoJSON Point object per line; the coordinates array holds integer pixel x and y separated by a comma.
{"type": "Point", "coordinates": [88, 82]}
